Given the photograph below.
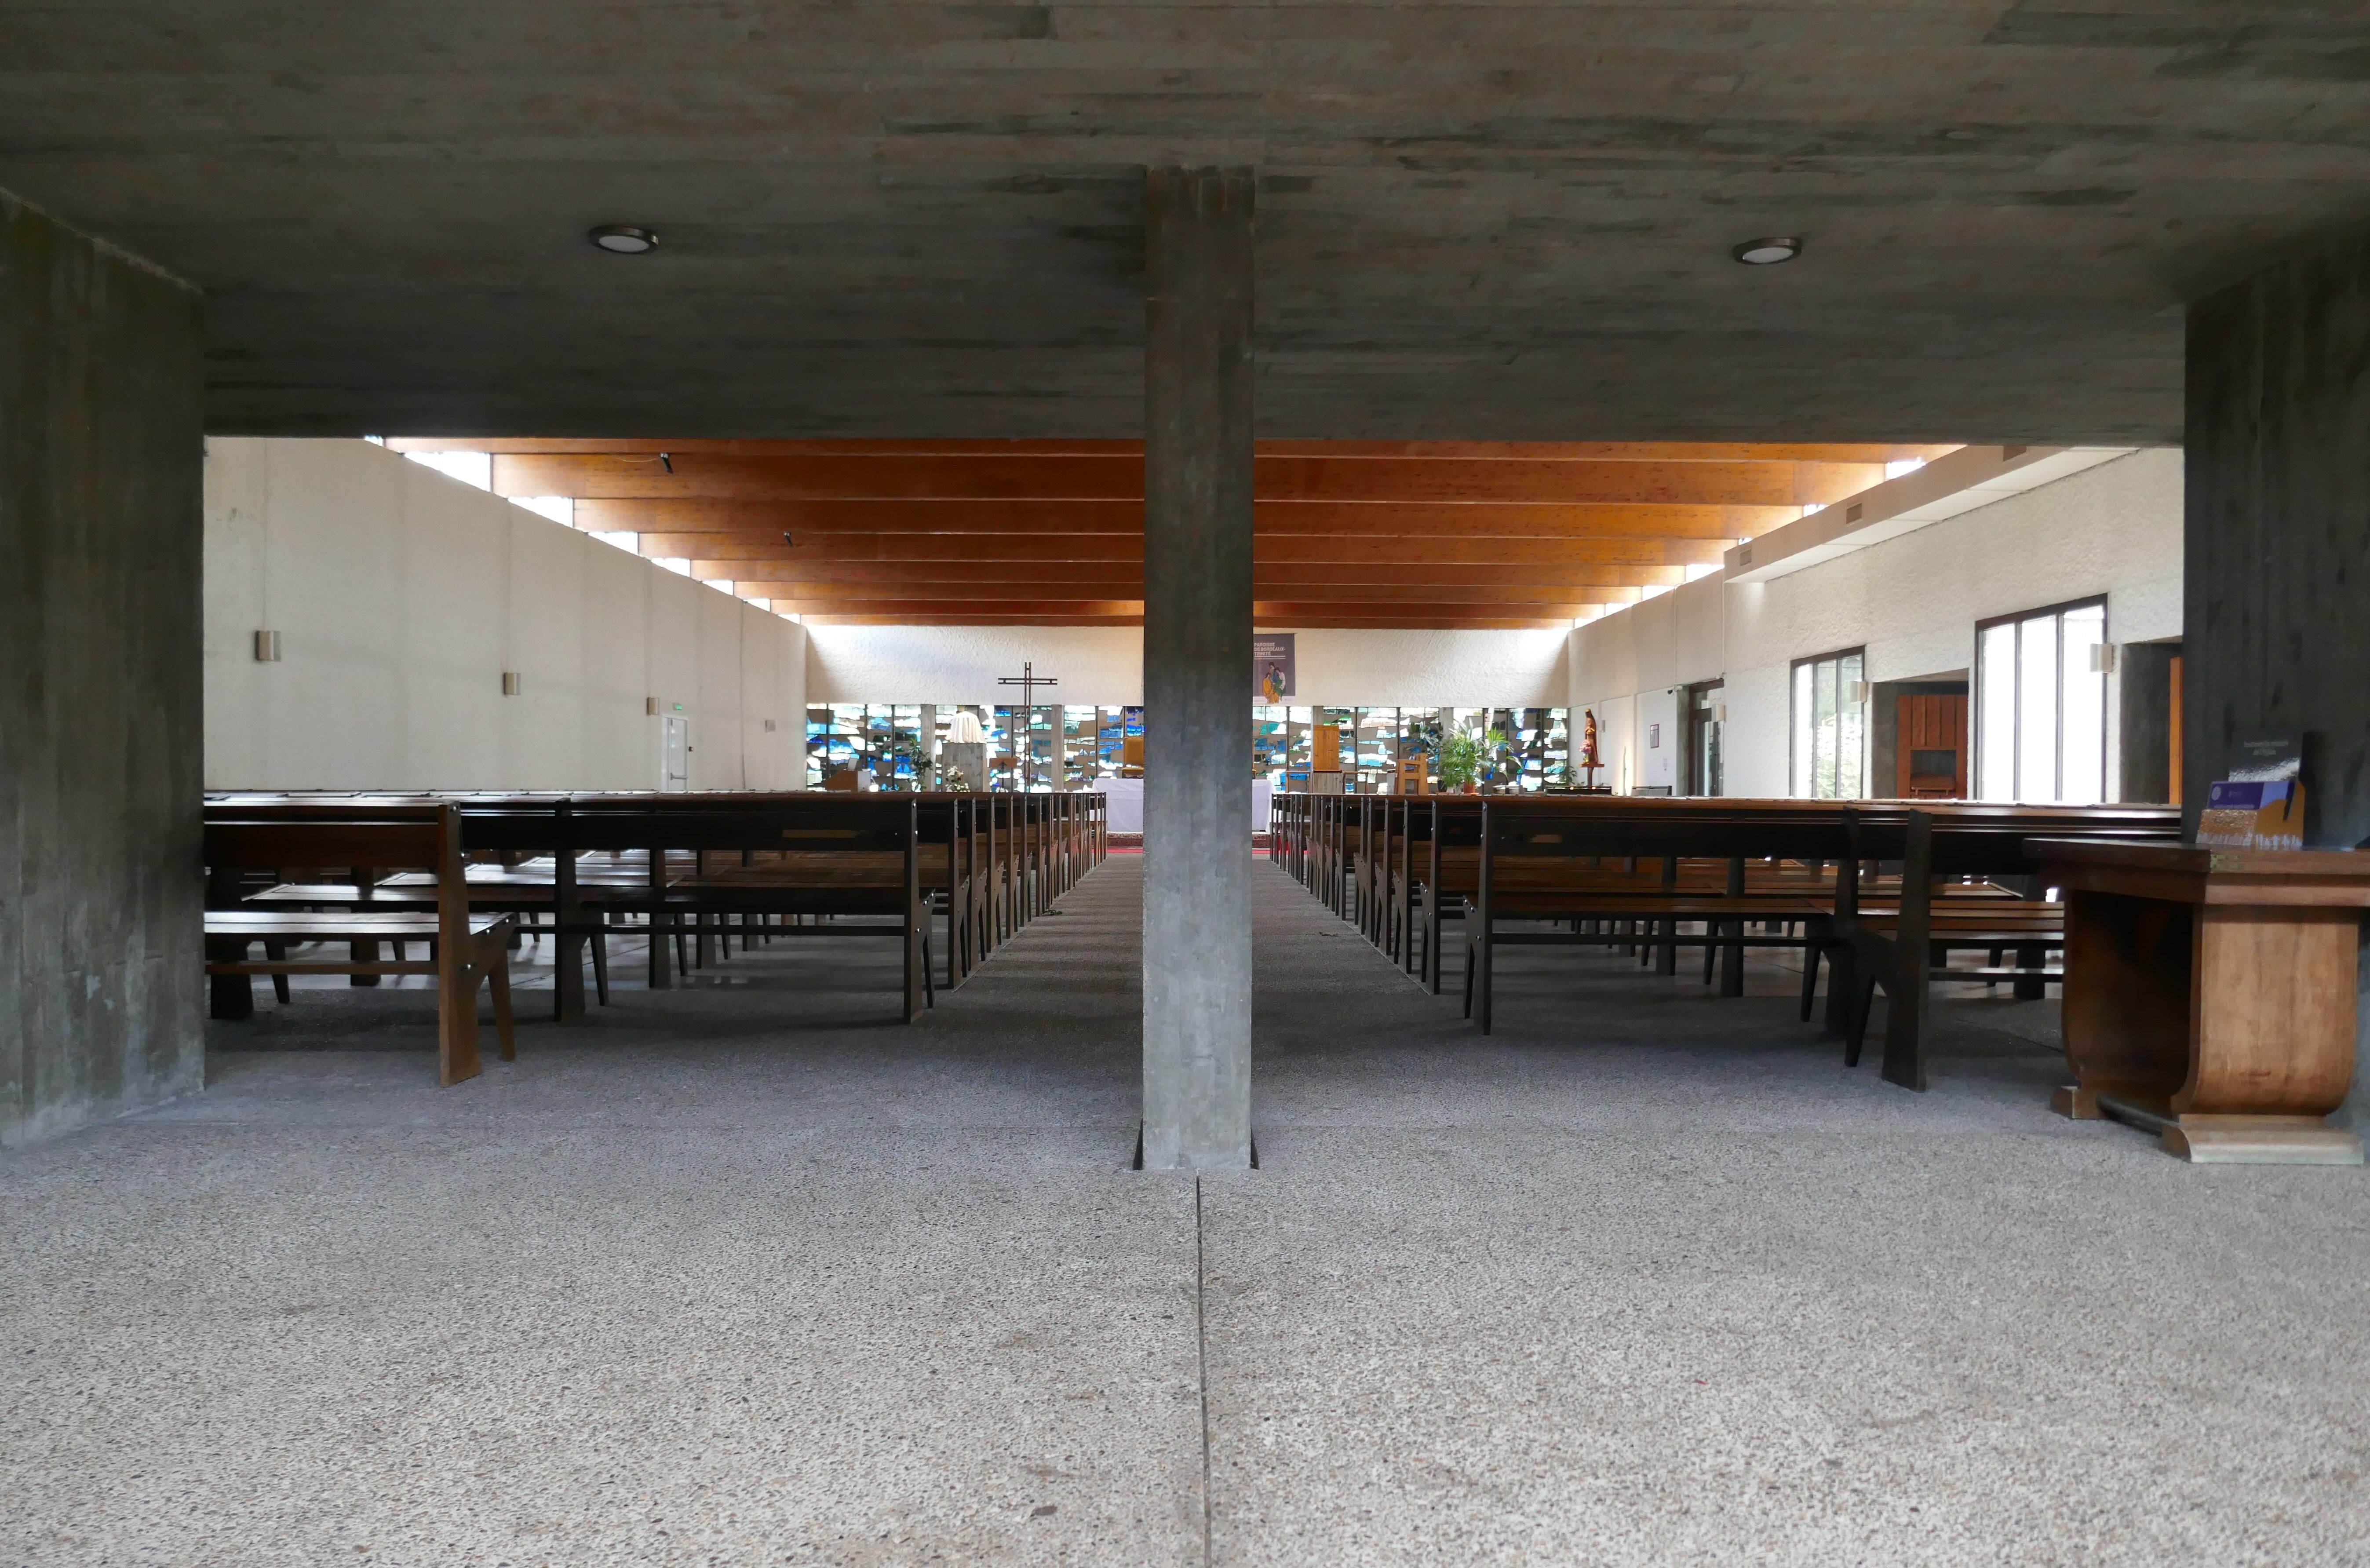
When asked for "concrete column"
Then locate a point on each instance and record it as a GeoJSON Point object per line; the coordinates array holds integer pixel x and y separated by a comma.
{"type": "Point", "coordinates": [1197, 670]}
{"type": "Point", "coordinates": [102, 738]}
{"type": "Point", "coordinates": [2276, 634]}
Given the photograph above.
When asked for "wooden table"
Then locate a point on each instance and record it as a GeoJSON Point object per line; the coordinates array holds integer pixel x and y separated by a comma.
{"type": "Point", "coordinates": [2210, 994]}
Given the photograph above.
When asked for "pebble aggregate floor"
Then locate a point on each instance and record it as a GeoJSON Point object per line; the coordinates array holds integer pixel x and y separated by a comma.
{"type": "Point", "coordinates": [747, 1273]}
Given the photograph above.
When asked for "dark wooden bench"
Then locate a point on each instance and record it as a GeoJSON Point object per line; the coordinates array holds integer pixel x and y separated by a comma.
{"type": "Point", "coordinates": [1638, 873]}
{"type": "Point", "coordinates": [1895, 945]}
{"type": "Point", "coordinates": [1544, 861]}
{"type": "Point", "coordinates": [465, 949]}
{"type": "Point", "coordinates": [989, 862]}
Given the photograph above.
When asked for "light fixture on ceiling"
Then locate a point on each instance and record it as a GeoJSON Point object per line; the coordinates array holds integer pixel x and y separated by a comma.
{"type": "Point", "coordinates": [624, 239]}
{"type": "Point", "coordinates": [1768, 252]}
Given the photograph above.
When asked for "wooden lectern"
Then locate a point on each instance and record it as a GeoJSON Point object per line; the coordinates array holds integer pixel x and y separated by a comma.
{"type": "Point", "coordinates": [2210, 994]}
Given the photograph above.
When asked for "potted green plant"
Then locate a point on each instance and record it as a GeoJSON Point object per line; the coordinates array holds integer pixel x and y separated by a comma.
{"type": "Point", "coordinates": [1503, 761]}
{"type": "Point", "coordinates": [1460, 764]}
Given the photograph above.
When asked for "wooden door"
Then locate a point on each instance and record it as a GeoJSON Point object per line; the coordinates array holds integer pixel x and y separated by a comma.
{"type": "Point", "coordinates": [1930, 748]}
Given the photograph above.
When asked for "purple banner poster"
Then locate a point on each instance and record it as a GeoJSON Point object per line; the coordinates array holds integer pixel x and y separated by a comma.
{"type": "Point", "coordinates": [1273, 677]}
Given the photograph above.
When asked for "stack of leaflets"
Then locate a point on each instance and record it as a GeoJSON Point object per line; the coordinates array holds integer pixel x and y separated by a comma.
{"type": "Point", "coordinates": [2260, 805]}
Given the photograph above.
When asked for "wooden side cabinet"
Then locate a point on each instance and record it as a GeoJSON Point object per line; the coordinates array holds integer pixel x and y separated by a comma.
{"type": "Point", "coordinates": [2210, 995]}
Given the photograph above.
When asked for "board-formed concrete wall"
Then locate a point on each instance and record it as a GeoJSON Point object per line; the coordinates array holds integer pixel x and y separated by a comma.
{"type": "Point", "coordinates": [1912, 602]}
{"type": "Point", "coordinates": [2279, 535]}
{"type": "Point", "coordinates": [1103, 666]}
{"type": "Point", "coordinates": [401, 595]}
{"type": "Point", "coordinates": [101, 419]}
{"type": "Point", "coordinates": [2279, 544]}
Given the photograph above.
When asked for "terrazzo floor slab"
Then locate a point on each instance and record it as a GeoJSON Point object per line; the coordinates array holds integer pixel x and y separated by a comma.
{"type": "Point", "coordinates": [746, 1274]}
{"type": "Point", "coordinates": [736, 1274]}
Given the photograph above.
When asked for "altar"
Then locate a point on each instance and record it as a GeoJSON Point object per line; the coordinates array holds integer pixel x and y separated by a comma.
{"type": "Point", "coordinates": [1126, 798]}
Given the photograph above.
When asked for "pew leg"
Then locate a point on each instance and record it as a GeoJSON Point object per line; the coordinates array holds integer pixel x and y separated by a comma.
{"type": "Point", "coordinates": [1906, 999]}
{"type": "Point", "coordinates": [278, 953]}
{"type": "Point", "coordinates": [566, 972]}
{"type": "Point", "coordinates": [2032, 988]}
{"type": "Point", "coordinates": [362, 953]}
{"type": "Point", "coordinates": [1484, 967]}
{"type": "Point", "coordinates": [1667, 958]}
{"type": "Point", "coordinates": [1842, 968]}
{"type": "Point", "coordinates": [599, 942]}
{"type": "Point", "coordinates": [1431, 938]}
{"type": "Point", "coordinates": [1863, 999]}
{"type": "Point", "coordinates": [456, 1020]}
{"type": "Point", "coordinates": [1731, 959]}
{"type": "Point", "coordinates": [498, 980]}
{"type": "Point", "coordinates": [1468, 974]}
{"type": "Point", "coordinates": [1809, 975]}
{"type": "Point", "coordinates": [661, 971]}
{"type": "Point", "coordinates": [705, 944]}
{"type": "Point", "coordinates": [229, 996]}
{"type": "Point", "coordinates": [1707, 956]}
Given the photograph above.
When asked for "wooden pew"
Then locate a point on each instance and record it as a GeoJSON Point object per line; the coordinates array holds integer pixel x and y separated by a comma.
{"type": "Point", "coordinates": [465, 949]}
{"type": "Point", "coordinates": [1871, 930]}
{"type": "Point", "coordinates": [1942, 840]}
{"type": "Point", "coordinates": [1546, 862]}
{"type": "Point", "coordinates": [809, 853]}
{"type": "Point", "coordinates": [989, 862]}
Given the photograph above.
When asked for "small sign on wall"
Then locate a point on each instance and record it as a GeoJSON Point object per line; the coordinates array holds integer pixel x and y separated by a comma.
{"type": "Point", "coordinates": [1653, 735]}
{"type": "Point", "coordinates": [1274, 658]}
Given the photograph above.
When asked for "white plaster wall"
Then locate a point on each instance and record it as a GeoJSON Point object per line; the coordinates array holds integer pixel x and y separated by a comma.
{"type": "Point", "coordinates": [1100, 666]}
{"type": "Point", "coordinates": [1912, 602]}
{"type": "Point", "coordinates": [401, 595]}
{"type": "Point", "coordinates": [1433, 669]}
{"type": "Point", "coordinates": [1104, 665]}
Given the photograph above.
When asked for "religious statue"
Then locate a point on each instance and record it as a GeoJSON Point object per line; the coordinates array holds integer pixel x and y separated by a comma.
{"type": "Point", "coordinates": [1588, 760]}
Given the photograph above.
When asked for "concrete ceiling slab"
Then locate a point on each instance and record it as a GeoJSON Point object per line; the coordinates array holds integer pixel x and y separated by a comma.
{"type": "Point", "coordinates": [1506, 222]}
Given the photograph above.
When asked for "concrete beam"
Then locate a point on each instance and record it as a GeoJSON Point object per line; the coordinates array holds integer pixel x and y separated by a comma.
{"type": "Point", "coordinates": [1197, 670]}
{"type": "Point", "coordinates": [101, 702]}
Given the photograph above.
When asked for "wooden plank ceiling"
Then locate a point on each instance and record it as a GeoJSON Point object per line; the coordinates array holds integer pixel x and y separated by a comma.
{"type": "Point", "coordinates": [1050, 533]}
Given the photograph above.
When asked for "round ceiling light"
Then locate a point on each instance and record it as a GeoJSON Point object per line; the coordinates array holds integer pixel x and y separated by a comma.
{"type": "Point", "coordinates": [624, 238]}
{"type": "Point", "coordinates": [1768, 252]}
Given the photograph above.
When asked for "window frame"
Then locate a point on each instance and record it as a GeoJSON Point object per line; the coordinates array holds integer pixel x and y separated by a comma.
{"type": "Point", "coordinates": [1975, 727]}
{"type": "Point", "coordinates": [1793, 728]}
{"type": "Point", "coordinates": [1715, 691]}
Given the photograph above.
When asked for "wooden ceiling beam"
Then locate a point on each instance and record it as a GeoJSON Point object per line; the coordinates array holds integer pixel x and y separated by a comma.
{"type": "Point", "coordinates": [1305, 623]}
{"type": "Point", "coordinates": [986, 593]}
{"type": "Point", "coordinates": [1304, 550]}
{"type": "Point", "coordinates": [922, 609]}
{"type": "Point", "coordinates": [1603, 451]}
{"type": "Point", "coordinates": [1313, 622]}
{"type": "Point", "coordinates": [963, 618]}
{"type": "Point", "coordinates": [1285, 609]}
{"type": "Point", "coordinates": [769, 520]}
{"type": "Point", "coordinates": [1087, 477]}
{"type": "Point", "coordinates": [1295, 577]}
{"type": "Point", "coordinates": [1331, 549]}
